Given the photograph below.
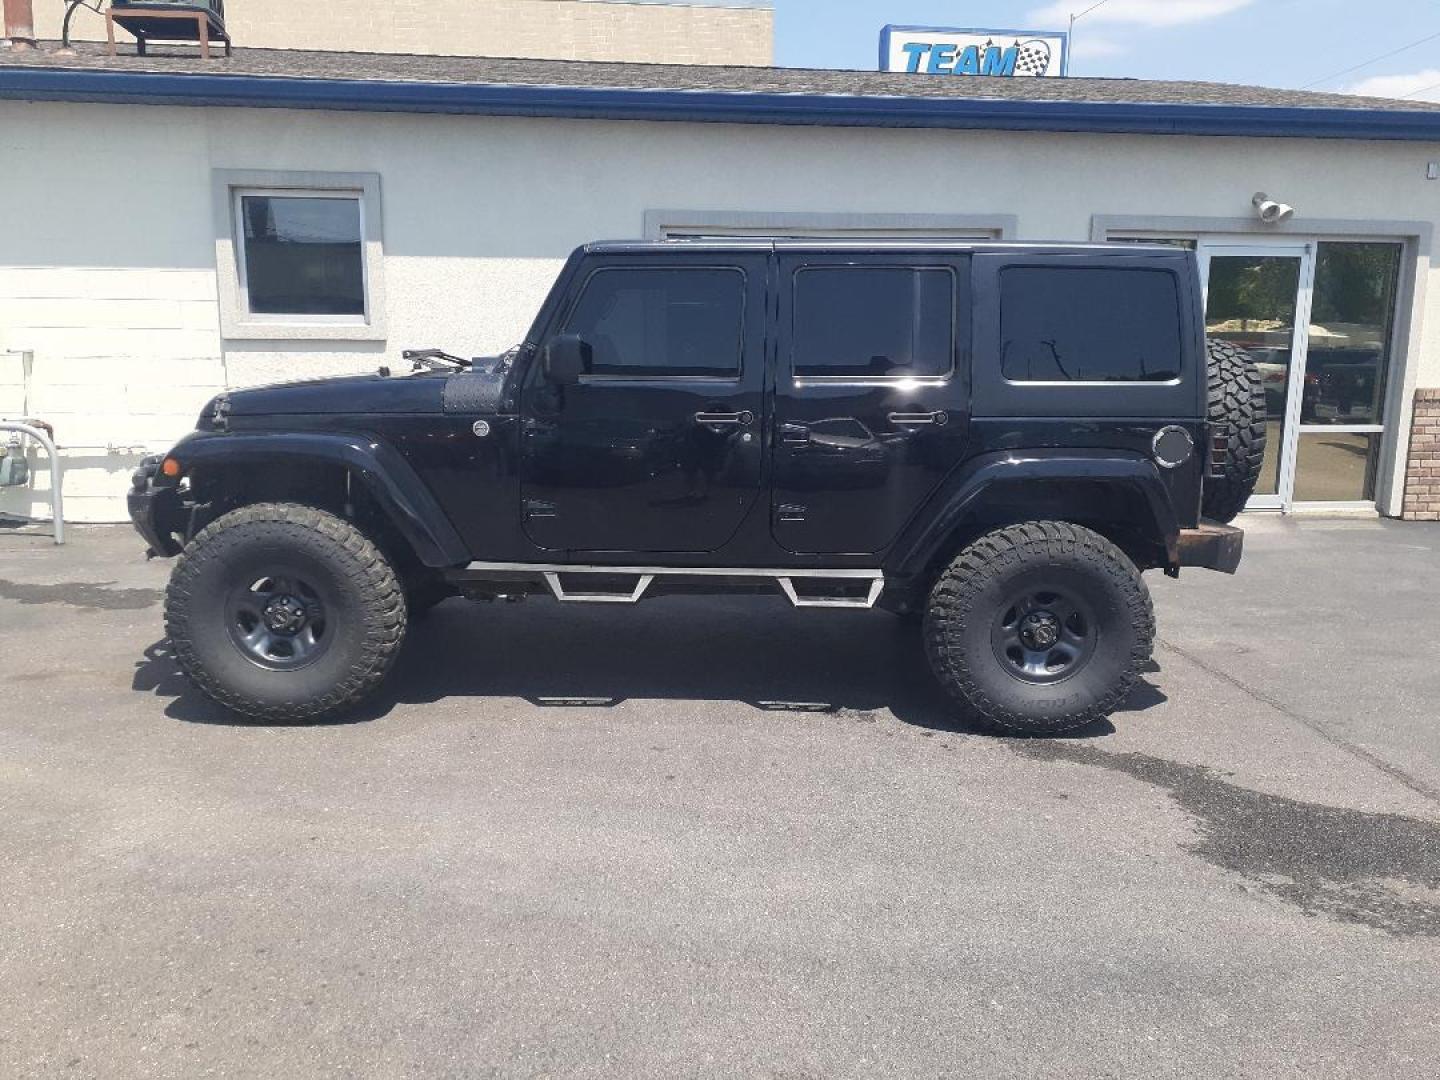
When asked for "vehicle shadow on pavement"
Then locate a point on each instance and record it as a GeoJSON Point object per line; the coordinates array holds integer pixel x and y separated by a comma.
{"type": "Point", "coordinates": [158, 674]}
{"type": "Point", "coordinates": [751, 651]}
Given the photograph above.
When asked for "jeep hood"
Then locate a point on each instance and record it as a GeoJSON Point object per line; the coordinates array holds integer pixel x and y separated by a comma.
{"type": "Point", "coordinates": [348, 395]}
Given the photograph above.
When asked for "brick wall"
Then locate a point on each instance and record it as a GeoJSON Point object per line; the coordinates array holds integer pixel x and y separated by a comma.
{"type": "Point", "coordinates": [1422, 473]}
{"type": "Point", "coordinates": [535, 29]}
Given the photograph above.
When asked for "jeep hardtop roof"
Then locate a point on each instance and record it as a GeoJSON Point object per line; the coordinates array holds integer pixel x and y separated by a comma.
{"type": "Point", "coordinates": [762, 243]}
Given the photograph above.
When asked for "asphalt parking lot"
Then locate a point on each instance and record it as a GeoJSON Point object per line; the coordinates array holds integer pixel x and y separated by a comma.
{"type": "Point", "coordinates": [705, 838]}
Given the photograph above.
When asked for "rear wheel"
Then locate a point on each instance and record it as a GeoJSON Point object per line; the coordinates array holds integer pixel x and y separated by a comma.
{"type": "Point", "coordinates": [1039, 628]}
{"type": "Point", "coordinates": [1237, 413]}
{"type": "Point", "coordinates": [284, 612]}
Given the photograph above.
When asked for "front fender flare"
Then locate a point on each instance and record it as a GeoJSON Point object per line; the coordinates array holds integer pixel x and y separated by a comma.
{"type": "Point", "coordinates": [964, 494]}
{"type": "Point", "coordinates": [386, 474]}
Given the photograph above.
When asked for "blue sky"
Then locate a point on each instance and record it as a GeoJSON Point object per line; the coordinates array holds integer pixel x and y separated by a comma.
{"type": "Point", "coordinates": [1267, 42]}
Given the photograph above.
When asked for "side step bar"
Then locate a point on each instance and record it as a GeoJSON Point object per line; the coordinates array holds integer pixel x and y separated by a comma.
{"type": "Point", "coordinates": [645, 576]}
{"type": "Point", "coordinates": [877, 586]}
{"type": "Point", "coordinates": [633, 597]}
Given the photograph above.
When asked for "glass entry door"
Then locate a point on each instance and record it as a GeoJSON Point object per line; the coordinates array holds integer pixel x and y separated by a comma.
{"type": "Point", "coordinates": [1258, 298]}
{"type": "Point", "coordinates": [1318, 318]}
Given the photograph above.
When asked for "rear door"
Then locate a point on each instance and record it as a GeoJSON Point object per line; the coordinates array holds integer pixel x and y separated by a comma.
{"type": "Point", "coordinates": [660, 446]}
{"type": "Point", "coordinates": [1102, 350]}
{"type": "Point", "coordinates": [871, 397]}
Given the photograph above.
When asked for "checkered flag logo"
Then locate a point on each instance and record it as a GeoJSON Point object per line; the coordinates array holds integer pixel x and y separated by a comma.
{"type": "Point", "coordinates": [1033, 58]}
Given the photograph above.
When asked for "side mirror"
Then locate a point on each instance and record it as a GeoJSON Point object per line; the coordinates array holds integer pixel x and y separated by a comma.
{"type": "Point", "coordinates": [566, 358]}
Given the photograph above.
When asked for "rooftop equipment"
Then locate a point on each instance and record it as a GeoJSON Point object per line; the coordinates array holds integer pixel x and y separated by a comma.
{"type": "Point", "coordinates": [19, 29]}
{"type": "Point", "coordinates": [201, 21]}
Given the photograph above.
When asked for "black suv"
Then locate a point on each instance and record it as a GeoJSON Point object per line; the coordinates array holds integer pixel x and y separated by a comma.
{"type": "Point", "coordinates": [996, 439]}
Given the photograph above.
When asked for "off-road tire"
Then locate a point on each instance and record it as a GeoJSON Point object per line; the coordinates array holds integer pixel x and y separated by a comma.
{"type": "Point", "coordinates": [1236, 410]}
{"type": "Point", "coordinates": [364, 604]}
{"type": "Point", "coordinates": [973, 593]}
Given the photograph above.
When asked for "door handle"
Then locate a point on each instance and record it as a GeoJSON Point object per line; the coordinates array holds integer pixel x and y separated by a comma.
{"type": "Point", "coordinates": [794, 434]}
{"type": "Point", "coordinates": [939, 418]}
{"type": "Point", "coordinates": [725, 419]}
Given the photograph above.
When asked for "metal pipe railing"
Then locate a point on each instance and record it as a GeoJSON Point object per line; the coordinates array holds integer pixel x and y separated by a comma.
{"type": "Point", "coordinates": [57, 497]}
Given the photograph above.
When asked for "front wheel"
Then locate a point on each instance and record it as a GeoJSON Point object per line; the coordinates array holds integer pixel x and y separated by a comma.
{"type": "Point", "coordinates": [284, 612]}
{"type": "Point", "coordinates": [1039, 628]}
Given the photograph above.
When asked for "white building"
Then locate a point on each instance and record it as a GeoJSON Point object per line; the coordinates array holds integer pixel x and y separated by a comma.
{"type": "Point", "coordinates": [165, 235]}
{"type": "Point", "coordinates": [674, 31]}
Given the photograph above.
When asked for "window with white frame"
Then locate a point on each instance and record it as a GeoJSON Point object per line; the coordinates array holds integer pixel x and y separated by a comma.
{"type": "Point", "coordinates": [299, 255]}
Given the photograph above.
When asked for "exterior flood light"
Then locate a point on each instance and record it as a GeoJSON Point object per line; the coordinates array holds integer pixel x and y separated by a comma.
{"type": "Point", "coordinates": [1269, 211]}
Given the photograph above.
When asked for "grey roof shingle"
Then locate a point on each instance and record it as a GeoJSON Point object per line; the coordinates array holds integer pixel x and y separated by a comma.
{"type": "Point", "coordinates": [493, 71]}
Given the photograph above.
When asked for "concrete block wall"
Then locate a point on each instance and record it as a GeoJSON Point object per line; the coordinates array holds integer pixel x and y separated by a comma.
{"type": "Point", "coordinates": [1422, 472]}
{"type": "Point", "coordinates": [615, 30]}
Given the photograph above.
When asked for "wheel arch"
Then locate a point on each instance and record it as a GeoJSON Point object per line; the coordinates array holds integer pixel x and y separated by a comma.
{"type": "Point", "coordinates": [1120, 496]}
{"type": "Point", "coordinates": [331, 471]}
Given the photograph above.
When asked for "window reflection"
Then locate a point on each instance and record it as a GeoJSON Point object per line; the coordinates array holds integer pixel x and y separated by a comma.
{"type": "Point", "coordinates": [1163, 241]}
{"type": "Point", "coordinates": [1251, 304]}
{"type": "Point", "coordinates": [1088, 324]}
{"type": "Point", "coordinates": [303, 255]}
{"type": "Point", "coordinates": [1350, 329]}
{"type": "Point", "coordinates": [1336, 467]}
{"type": "Point", "coordinates": [866, 321]}
{"type": "Point", "coordinates": [649, 322]}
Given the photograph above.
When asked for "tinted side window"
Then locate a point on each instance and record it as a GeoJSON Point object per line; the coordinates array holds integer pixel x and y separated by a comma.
{"type": "Point", "coordinates": [862, 321]}
{"type": "Point", "coordinates": [648, 322]}
{"type": "Point", "coordinates": [1087, 324]}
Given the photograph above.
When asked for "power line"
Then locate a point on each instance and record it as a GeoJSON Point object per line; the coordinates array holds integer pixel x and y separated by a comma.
{"type": "Point", "coordinates": [1070, 43]}
{"type": "Point", "coordinates": [1076, 18]}
{"type": "Point", "coordinates": [1376, 60]}
{"type": "Point", "coordinates": [1422, 90]}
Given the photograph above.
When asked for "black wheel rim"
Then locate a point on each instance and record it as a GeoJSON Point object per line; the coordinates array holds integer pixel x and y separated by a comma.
{"type": "Point", "coordinates": [1044, 634]}
{"type": "Point", "coordinates": [278, 621]}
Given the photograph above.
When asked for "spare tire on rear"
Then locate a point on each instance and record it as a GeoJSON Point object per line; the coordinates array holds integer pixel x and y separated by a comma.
{"type": "Point", "coordinates": [1237, 416]}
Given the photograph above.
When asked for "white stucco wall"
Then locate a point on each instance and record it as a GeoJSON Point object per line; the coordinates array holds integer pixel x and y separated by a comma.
{"type": "Point", "coordinates": [107, 266]}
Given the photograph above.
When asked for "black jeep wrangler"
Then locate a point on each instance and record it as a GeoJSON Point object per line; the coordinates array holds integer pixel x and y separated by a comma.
{"type": "Point", "coordinates": [996, 439]}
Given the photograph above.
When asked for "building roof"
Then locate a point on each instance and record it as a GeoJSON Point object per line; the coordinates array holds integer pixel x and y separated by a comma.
{"type": "Point", "coordinates": [497, 86]}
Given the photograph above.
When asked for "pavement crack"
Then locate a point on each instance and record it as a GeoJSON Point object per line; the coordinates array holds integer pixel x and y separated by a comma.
{"type": "Point", "coordinates": [91, 596]}
{"type": "Point", "coordinates": [1375, 870]}
{"type": "Point", "coordinates": [1399, 775]}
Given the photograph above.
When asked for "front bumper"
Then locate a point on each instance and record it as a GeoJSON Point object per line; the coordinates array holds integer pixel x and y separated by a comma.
{"type": "Point", "coordinates": [153, 510]}
{"type": "Point", "coordinates": [1212, 546]}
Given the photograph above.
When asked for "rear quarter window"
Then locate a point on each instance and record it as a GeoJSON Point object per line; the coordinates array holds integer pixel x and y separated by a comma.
{"type": "Point", "coordinates": [1089, 325]}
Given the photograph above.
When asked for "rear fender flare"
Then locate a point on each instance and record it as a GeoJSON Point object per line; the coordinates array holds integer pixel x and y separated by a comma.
{"type": "Point", "coordinates": [992, 477]}
{"type": "Point", "coordinates": [388, 477]}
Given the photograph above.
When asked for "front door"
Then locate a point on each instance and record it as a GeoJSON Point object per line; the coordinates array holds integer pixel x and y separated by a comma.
{"type": "Point", "coordinates": [871, 401]}
{"type": "Point", "coordinates": [660, 445]}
